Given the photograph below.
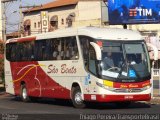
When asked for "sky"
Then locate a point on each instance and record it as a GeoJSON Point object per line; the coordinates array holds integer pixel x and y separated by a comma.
{"type": "Point", "coordinates": [12, 12]}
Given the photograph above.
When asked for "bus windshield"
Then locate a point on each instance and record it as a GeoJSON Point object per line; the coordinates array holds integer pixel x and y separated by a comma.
{"type": "Point", "coordinates": [126, 62]}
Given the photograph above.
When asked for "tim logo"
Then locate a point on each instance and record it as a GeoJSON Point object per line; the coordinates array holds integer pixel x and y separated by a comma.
{"type": "Point", "coordinates": [132, 12]}
{"type": "Point", "coordinates": [140, 12]}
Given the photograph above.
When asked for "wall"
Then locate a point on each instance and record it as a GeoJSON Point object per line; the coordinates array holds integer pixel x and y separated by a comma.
{"type": "Point", "coordinates": [63, 13]}
{"type": "Point", "coordinates": [89, 13]}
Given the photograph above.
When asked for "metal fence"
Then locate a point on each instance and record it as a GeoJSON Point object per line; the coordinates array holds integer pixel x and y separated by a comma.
{"type": "Point", "coordinates": [155, 82]}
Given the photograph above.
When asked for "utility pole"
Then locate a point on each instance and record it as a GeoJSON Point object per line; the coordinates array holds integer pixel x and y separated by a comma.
{"type": "Point", "coordinates": [4, 17]}
{"type": "Point", "coordinates": [1, 21]}
{"type": "Point", "coordinates": [21, 20]}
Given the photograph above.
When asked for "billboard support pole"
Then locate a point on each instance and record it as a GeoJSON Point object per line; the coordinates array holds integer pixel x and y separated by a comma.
{"type": "Point", "coordinates": [125, 26]}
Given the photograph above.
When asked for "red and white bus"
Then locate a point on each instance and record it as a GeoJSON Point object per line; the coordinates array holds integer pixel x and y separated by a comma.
{"type": "Point", "coordinates": [85, 64]}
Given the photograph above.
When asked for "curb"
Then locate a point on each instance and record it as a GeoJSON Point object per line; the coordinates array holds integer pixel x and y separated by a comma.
{"type": "Point", "coordinates": [155, 100]}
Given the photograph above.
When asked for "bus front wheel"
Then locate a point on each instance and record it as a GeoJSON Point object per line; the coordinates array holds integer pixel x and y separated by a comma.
{"type": "Point", "coordinates": [24, 93]}
{"type": "Point", "coordinates": [77, 98]}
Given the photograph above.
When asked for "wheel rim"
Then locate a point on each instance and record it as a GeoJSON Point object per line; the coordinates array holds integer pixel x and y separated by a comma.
{"type": "Point", "coordinates": [24, 93]}
{"type": "Point", "coordinates": [78, 98]}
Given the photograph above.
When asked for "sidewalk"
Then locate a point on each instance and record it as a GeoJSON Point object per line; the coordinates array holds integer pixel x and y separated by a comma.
{"type": "Point", "coordinates": [155, 100]}
{"type": "Point", "coordinates": [156, 97]}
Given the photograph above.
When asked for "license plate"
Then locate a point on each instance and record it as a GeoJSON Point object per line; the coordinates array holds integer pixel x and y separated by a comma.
{"type": "Point", "coordinates": [128, 97]}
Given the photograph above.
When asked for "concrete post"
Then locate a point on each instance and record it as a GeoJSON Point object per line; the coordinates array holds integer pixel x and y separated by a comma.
{"type": "Point", "coordinates": [152, 82]}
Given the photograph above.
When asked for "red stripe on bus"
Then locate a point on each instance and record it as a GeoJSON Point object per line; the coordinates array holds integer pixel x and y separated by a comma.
{"type": "Point", "coordinates": [23, 39]}
{"type": "Point", "coordinates": [131, 85]}
{"type": "Point", "coordinates": [37, 81]}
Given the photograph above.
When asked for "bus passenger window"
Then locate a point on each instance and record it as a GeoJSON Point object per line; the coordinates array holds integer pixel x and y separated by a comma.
{"type": "Point", "coordinates": [92, 60]}
{"type": "Point", "coordinates": [62, 54]}
{"type": "Point", "coordinates": [13, 55]}
{"type": "Point", "coordinates": [67, 57]}
{"type": "Point", "coordinates": [48, 50]}
{"type": "Point", "coordinates": [8, 51]}
{"type": "Point", "coordinates": [55, 53]}
{"type": "Point", "coordinates": [85, 41]}
{"type": "Point", "coordinates": [69, 48]}
{"type": "Point", "coordinates": [59, 50]}
{"type": "Point", "coordinates": [74, 53]}
{"type": "Point", "coordinates": [55, 49]}
{"type": "Point", "coordinates": [31, 50]}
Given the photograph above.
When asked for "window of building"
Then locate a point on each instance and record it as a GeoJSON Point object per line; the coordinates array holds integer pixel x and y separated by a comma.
{"type": "Point", "coordinates": [70, 19]}
{"type": "Point", "coordinates": [62, 21]}
{"type": "Point", "coordinates": [39, 24]}
{"type": "Point", "coordinates": [27, 27]}
{"type": "Point", "coordinates": [69, 22]}
{"type": "Point", "coordinates": [53, 23]}
{"type": "Point", "coordinates": [35, 25]}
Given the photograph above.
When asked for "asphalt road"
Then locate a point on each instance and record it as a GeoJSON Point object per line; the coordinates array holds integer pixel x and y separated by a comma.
{"type": "Point", "coordinates": [50, 109]}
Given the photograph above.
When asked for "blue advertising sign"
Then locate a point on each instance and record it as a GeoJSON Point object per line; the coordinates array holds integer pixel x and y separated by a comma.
{"type": "Point", "coordinates": [134, 11]}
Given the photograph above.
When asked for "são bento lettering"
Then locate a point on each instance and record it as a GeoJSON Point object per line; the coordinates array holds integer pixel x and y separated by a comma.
{"type": "Point", "coordinates": [64, 69]}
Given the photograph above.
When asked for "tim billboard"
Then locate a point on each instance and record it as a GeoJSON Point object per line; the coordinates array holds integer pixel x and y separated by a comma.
{"type": "Point", "coordinates": [134, 11]}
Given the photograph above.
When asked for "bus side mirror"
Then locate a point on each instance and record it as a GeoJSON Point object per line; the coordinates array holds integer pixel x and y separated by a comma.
{"type": "Point", "coordinates": [97, 50]}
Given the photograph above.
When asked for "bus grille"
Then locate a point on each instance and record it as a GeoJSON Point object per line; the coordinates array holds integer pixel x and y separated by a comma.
{"type": "Point", "coordinates": [128, 90]}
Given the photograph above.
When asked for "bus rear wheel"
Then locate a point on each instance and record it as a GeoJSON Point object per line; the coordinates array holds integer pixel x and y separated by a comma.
{"type": "Point", "coordinates": [24, 94]}
{"type": "Point", "coordinates": [77, 98]}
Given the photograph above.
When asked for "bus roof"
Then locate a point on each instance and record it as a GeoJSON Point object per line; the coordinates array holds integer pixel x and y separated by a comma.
{"type": "Point", "coordinates": [94, 32]}
{"type": "Point", "coordinates": [110, 33]}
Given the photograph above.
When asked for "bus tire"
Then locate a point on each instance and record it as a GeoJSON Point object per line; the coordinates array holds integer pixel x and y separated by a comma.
{"type": "Point", "coordinates": [24, 94]}
{"type": "Point", "coordinates": [77, 98]}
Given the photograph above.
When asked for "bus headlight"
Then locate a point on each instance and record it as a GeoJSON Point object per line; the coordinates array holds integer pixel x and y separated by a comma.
{"type": "Point", "coordinates": [146, 87]}
{"type": "Point", "coordinates": [105, 87]}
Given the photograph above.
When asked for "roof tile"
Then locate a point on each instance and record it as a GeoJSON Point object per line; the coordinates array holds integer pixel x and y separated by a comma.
{"type": "Point", "coordinates": [57, 3]}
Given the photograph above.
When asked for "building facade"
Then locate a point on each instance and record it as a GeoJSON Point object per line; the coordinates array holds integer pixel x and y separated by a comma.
{"type": "Point", "coordinates": [62, 14]}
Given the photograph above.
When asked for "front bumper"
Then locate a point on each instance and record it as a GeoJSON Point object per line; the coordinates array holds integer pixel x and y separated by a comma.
{"type": "Point", "coordinates": [117, 98]}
